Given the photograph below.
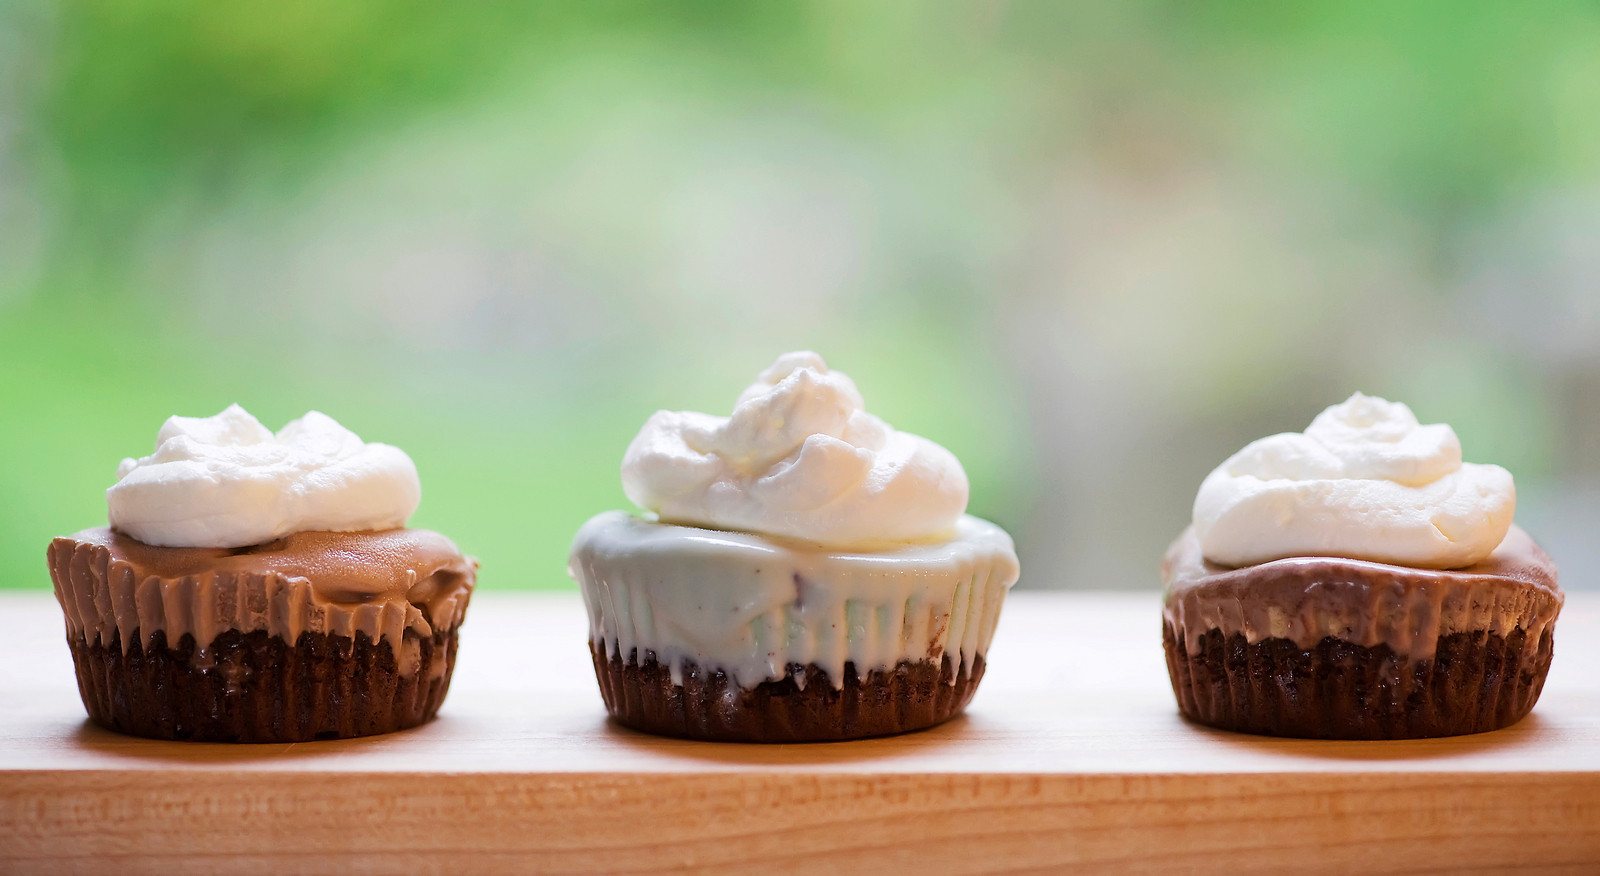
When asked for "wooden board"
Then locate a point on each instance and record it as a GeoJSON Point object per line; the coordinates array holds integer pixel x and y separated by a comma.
{"type": "Point", "coordinates": [1072, 753]}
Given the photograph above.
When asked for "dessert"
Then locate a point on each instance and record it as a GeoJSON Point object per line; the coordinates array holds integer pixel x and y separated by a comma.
{"type": "Point", "coordinates": [1358, 581]}
{"type": "Point", "coordinates": [255, 587]}
{"type": "Point", "coordinates": [806, 573]}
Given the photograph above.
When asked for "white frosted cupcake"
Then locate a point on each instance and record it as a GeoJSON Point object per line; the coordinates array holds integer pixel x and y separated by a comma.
{"type": "Point", "coordinates": [806, 572]}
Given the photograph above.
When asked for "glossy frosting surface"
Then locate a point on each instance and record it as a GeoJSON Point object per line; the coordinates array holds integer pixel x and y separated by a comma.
{"type": "Point", "coordinates": [753, 605]}
{"type": "Point", "coordinates": [1306, 599]}
{"type": "Point", "coordinates": [380, 583]}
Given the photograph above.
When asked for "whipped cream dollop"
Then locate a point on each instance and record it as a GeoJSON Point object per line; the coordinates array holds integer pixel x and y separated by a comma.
{"type": "Point", "coordinates": [798, 458]}
{"type": "Point", "coordinates": [228, 481]}
{"type": "Point", "coordinates": [1365, 481]}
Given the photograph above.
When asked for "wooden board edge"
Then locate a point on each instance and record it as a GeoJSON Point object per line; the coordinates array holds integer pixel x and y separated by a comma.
{"type": "Point", "coordinates": [143, 821]}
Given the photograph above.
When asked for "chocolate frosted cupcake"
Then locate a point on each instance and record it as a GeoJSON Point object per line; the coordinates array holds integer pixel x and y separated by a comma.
{"type": "Point", "coordinates": [808, 572]}
{"type": "Point", "coordinates": [1358, 581]}
{"type": "Point", "coordinates": [255, 587]}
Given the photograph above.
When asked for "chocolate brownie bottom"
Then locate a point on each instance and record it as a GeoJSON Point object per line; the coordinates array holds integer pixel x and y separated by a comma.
{"type": "Point", "coordinates": [1475, 682]}
{"type": "Point", "coordinates": [255, 687]}
{"type": "Point", "coordinates": [804, 706]}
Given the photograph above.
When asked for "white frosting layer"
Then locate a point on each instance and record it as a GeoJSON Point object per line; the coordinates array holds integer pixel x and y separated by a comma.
{"type": "Point", "coordinates": [227, 481]}
{"type": "Point", "coordinates": [751, 606]}
{"type": "Point", "coordinates": [1365, 481]}
{"type": "Point", "coordinates": [799, 458]}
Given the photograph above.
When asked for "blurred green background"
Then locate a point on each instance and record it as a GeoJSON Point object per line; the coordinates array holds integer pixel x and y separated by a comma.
{"type": "Point", "coordinates": [1093, 248]}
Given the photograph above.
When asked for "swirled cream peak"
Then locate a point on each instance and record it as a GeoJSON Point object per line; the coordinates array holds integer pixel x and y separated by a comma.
{"type": "Point", "coordinates": [800, 458]}
{"type": "Point", "coordinates": [228, 481]}
{"type": "Point", "coordinates": [1365, 481]}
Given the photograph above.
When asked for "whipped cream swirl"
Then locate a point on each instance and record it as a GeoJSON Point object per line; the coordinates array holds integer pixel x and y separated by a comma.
{"type": "Point", "coordinates": [798, 458]}
{"type": "Point", "coordinates": [1365, 481]}
{"type": "Point", "coordinates": [228, 481]}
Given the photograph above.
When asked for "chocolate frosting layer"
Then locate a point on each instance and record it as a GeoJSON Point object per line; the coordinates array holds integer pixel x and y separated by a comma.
{"type": "Point", "coordinates": [335, 583]}
{"type": "Point", "coordinates": [1307, 599]}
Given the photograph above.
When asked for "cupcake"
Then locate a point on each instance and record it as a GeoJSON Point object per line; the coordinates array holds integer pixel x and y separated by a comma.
{"type": "Point", "coordinates": [1358, 581]}
{"type": "Point", "coordinates": [255, 587]}
{"type": "Point", "coordinates": [803, 573]}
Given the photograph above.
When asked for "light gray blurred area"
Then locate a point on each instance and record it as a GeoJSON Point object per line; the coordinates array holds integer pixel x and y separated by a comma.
{"type": "Point", "coordinates": [1094, 254]}
{"type": "Point", "coordinates": [1116, 330]}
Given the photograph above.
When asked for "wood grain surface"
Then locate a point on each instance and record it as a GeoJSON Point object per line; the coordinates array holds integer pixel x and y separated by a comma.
{"type": "Point", "coordinates": [1072, 754]}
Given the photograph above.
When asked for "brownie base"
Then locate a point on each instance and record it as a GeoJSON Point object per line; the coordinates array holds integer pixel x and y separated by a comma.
{"type": "Point", "coordinates": [256, 687]}
{"type": "Point", "coordinates": [804, 706]}
{"type": "Point", "coordinates": [1474, 683]}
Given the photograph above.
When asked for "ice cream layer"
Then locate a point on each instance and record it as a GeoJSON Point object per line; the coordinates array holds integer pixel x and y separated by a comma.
{"type": "Point", "coordinates": [752, 606]}
{"type": "Point", "coordinates": [379, 584]}
{"type": "Point", "coordinates": [1308, 599]}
